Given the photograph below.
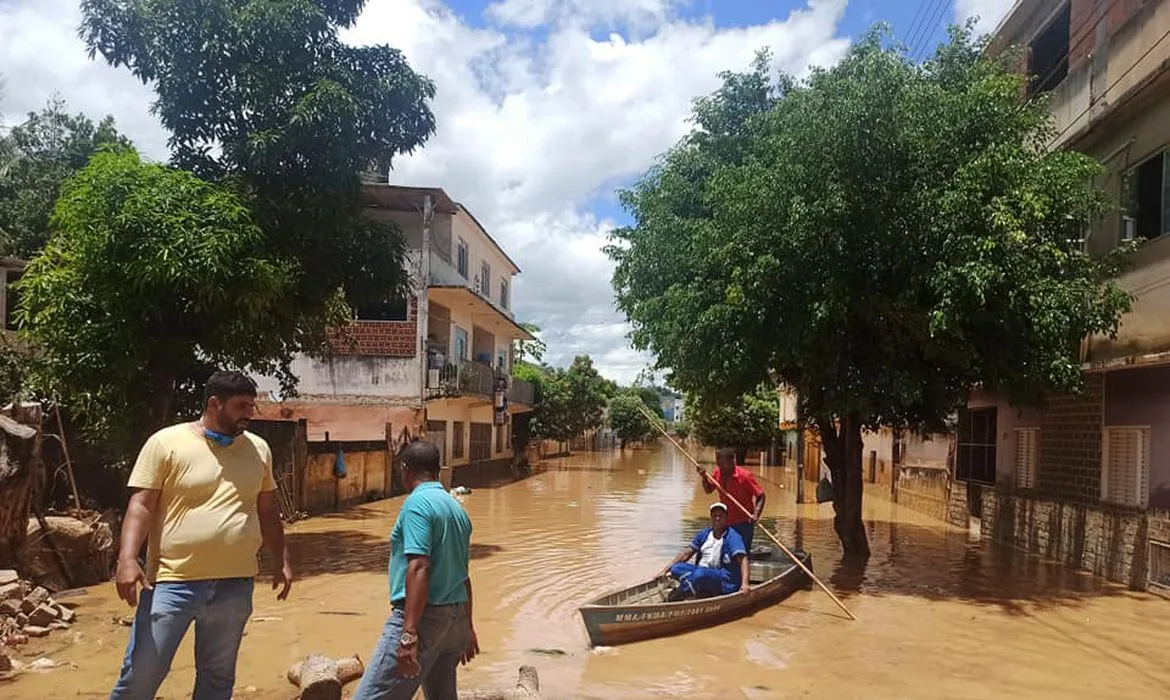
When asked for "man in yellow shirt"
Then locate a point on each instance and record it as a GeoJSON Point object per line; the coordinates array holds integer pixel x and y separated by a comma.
{"type": "Point", "coordinates": [204, 502]}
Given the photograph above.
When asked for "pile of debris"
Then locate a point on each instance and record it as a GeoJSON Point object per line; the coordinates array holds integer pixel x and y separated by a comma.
{"type": "Point", "coordinates": [28, 611]}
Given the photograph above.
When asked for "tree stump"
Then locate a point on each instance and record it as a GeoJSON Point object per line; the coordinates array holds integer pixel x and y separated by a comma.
{"type": "Point", "coordinates": [527, 688]}
{"type": "Point", "coordinates": [321, 678]}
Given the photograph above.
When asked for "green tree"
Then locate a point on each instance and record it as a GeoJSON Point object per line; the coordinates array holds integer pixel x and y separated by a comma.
{"type": "Point", "coordinates": [531, 350]}
{"type": "Point", "coordinates": [266, 99]}
{"type": "Point", "coordinates": [151, 279]}
{"type": "Point", "coordinates": [881, 237]}
{"type": "Point", "coordinates": [569, 401]}
{"type": "Point", "coordinates": [748, 422]}
{"type": "Point", "coordinates": [628, 419]}
{"type": "Point", "coordinates": [36, 157]}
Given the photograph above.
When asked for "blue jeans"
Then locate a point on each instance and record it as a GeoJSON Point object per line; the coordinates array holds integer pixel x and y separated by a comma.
{"type": "Point", "coordinates": [703, 581]}
{"type": "Point", "coordinates": [220, 609]}
{"type": "Point", "coordinates": [746, 530]}
{"type": "Point", "coordinates": [443, 635]}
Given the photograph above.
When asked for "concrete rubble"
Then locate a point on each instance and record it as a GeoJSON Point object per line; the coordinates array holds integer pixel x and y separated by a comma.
{"type": "Point", "coordinates": [27, 611]}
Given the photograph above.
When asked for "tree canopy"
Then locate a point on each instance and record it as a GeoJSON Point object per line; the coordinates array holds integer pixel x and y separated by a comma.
{"type": "Point", "coordinates": [264, 98]}
{"type": "Point", "coordinates": [569, 401]}
{"type": "Point", "coordinates": [628, 417]}
{"type": "Point", "coordinates": [747, 422]}
{"type": "Point", "coordinates": [151, 280]}
{"type": "Point", "coordinates": [882, 237]}
{"type": "Point", "coordinates": [36, 157]}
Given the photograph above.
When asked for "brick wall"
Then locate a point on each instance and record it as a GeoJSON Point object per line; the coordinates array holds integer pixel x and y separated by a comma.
{"type": "Point", "coordinates": [1070, 444]}
{"type": "Point", "coordinates": [1108, 542]}
{"type": "Point", "coordinates": [379, 338]}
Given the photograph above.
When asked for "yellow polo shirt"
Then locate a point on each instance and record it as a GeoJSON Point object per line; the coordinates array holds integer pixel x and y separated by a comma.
{"type": "Point", "coordinates": [206, 526]}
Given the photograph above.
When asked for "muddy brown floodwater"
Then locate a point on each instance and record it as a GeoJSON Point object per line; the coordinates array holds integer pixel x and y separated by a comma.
{"type": "Point", "coordinates": [939, 616]}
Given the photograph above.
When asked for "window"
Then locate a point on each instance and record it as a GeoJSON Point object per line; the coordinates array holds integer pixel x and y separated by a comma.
{"type": "Point", "coordinates": [504, 293]}
{"type": "Point", "coordinates": [457, 439]}
{"type": "Point", "coordinates": [1146, 199]}
{"type": "Point", "coordinates": [1048, 54]}
{"type": "Point", "coordinates": [1125, 466]}
{"type": "Point", "coordinates": [485, 280]}
{"type": "Point", "coordinates": [481, 442]}
{"type": "Point", "coordinates": [1027, 456]}
{"type": "Point", "coordinates": [500, 430]}
{"type": "Point", "coordinates": [461, 258]}
{"type": "Point", "coordinates": [975, 458]}
{"type": "Point", "coordinates": [461, 344]}
{"type": "Point", "coordinates": [389, 310]}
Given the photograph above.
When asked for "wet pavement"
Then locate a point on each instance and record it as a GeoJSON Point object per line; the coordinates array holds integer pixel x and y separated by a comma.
{"type": "Point", "coordinates": [940, 615]}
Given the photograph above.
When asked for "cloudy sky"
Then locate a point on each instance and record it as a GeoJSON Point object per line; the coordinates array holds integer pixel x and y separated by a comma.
{"type": "Point", "coordinates": [544, 108]}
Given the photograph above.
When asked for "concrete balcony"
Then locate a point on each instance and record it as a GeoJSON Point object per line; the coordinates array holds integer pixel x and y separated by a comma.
{"type": "Point", "coordinates": [445, 276]}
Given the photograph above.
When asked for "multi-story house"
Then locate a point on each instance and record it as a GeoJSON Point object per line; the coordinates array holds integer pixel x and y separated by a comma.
{"type": "Point", "coordinates": [1086, 478]}
{"type": "Point", "coordinates": [437, 363]}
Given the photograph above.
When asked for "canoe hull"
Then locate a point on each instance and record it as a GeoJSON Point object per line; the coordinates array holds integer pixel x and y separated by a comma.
{"type": "Point", "coordinates": [615, 624]}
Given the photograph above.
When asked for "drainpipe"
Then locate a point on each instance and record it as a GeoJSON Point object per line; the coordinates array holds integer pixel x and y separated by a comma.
{"type": "Point", "coordinates": [422, 314]}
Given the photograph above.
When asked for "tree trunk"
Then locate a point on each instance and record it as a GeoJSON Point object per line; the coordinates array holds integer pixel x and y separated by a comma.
{"type": "Point", "coordinates": [843, 454]}
{"type": "Point", "coordinates": [321, 678]}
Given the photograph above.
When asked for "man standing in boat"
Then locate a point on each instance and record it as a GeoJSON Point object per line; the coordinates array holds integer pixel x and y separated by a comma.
{"type": "Point", "coordinates": [741, 484]}
{"type": "Point", "coordinates": [722, 566]}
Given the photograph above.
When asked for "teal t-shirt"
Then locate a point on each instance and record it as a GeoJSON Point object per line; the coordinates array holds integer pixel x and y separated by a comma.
{"type": "Point", "coordinates": [431, 523]}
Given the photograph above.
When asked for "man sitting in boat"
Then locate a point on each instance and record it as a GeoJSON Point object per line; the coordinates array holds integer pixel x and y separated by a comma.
{"type": "Point", "coordinates": [722, 563]}
{"type": "Point", "coordinates": [742, 485]}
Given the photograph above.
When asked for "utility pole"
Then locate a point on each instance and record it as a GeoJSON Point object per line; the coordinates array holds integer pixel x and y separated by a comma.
{"type": "Point", "coordinates": [424, 275]}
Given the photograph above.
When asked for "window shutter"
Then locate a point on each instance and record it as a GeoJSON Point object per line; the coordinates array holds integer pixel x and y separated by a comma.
{"type": "Point", "coordinates": [1027, 444]}
{"type": "Point", "coordinates": [1126, 472]}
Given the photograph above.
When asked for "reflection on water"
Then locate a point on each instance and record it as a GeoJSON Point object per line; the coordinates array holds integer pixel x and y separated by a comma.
{"type": "Point", "coordinates": [939, 615]}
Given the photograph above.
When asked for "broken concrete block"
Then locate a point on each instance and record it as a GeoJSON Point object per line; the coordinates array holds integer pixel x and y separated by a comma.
{"type": "Point", "coordinates": [9, 608]}
{"type": "Point", "coordinates": [58, 625]}
{"type": "Point", "coordinates": [8, 576]}
{"type": "Point", "coordinates": [21, 619]}
{"type": "Point", "coordinates": [43, 615]}
{"type": "Point", "coordinates": [11, 590]}
{"type": "Point", "coordinates": [39, 595]}
{"type": "Point", "coordinates": [67, 614]}
{"type": "Point", "coordinates": [35, 631]}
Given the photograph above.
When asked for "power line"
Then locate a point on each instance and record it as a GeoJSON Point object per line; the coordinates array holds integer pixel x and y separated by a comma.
{"type": "Point", "coordinates": [913, 23]}
{"type": "Point", "coordinates": [932, 26]}
{"type": "Point", "coordinates": [916, 37]}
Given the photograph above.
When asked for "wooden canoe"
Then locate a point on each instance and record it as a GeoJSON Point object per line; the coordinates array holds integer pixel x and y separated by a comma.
{"type": "Point", "coordinates": [642, 612]}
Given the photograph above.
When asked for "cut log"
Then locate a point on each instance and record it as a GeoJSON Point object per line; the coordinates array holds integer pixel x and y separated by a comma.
{"type": "Point", "coordinates": [322, 678]}
{"type": "Point", "coordinates": [527, 688]}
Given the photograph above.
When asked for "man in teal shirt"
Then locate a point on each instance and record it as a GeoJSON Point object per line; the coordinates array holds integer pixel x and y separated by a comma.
{"type": "Point", "coordinates": [430, 590]}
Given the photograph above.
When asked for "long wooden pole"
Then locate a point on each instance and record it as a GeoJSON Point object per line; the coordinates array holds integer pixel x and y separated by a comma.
{"type": "Point", "coordinates": [722, 491]}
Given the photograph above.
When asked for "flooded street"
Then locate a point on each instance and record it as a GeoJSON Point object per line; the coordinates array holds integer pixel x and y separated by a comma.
{"type": "Point", "coordinates": [939, 616]}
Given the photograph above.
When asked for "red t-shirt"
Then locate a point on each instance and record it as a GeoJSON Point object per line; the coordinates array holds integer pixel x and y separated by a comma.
{"type": "Point", "coordinates": [742, 485]}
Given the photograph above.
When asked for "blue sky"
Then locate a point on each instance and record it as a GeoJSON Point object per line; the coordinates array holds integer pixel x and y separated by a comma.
{"type": "Point", "coordinates": [920, 24]}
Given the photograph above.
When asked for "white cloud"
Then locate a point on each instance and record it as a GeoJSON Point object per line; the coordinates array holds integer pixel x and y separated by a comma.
{"type": "Point", "coordinates": [610, 13]}
{"type": "Point", "coordinates": [989, 12]}
{"type": "Point", "coordinates": [40, 54]}
{"type": "Point", "coordinates": [532, 126]}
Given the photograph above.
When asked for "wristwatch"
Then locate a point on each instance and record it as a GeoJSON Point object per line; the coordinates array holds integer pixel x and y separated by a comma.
{"type": "Point", "coordinates": [408, 639]}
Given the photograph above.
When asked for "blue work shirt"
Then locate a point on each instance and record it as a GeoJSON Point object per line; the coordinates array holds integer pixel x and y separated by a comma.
{"type": "Point", "coordinates": [732, 546]}
{"type": "Point", "coordinates": [433, 524]}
